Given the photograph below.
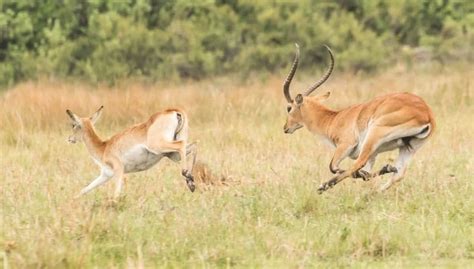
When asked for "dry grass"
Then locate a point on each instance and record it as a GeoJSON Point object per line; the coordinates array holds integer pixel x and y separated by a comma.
{"type": "Point", "coordinates": [258, 207]}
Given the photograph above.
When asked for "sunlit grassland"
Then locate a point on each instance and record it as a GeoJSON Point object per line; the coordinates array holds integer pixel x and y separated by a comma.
{"type": "Point", "coordinates": [268, 214]}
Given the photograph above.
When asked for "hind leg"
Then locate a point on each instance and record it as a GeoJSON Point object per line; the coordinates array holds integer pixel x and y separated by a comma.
{"type": "Point", "coordinates": [388, 168]}
{"type": "Point", "coordinates": [404, 158]}
{"type": "Point", "coordinates": [179, 147]}
{"type": "Point", "coordinates": [405, 154]}
{"type": "Point", "coordinates": [191, 152]}
{"type": "Point", "coordinates": [366, 175]}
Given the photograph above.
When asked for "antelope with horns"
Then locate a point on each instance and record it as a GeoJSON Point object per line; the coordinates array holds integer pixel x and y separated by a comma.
{"type": "Point", "coordinates": [400, 121]}
{"type": "Point", "coordinates": [137, 148]}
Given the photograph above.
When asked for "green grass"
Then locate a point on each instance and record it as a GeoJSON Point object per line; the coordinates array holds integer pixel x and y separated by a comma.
{"type": "Point", "coordinates": [269, 215]}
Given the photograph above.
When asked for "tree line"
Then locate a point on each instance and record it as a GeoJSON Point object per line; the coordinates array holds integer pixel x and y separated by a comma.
{"type": "Point", "coordinates": [107, 40]}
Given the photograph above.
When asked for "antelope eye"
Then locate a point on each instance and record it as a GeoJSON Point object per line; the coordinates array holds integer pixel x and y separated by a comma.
{"type": "Point", "coordinates": [288, 109]}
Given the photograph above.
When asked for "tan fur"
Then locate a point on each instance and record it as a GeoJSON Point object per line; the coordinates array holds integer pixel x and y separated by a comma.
{"type": "Point", "coordinates": [393, 114]}
{"type": "Point", "coordinates": [395, 121]}
{"type": "Point", "coordinates": [154, 137]}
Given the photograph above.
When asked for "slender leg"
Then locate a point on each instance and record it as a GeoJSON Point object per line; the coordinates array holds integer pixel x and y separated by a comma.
{"type": "Point", "coordinates": [180, 147]}
{"type": "Point", "coordinates": [96, 183]}
{"type": "Point", "coordinates": [365, 172]}
{"type": "Point", "coordinates": [191, 150]}
{"type": "Point", "coordinates": [370, 163]}
{"type": "Point", "coordinates": [370, 146]}
{"type": "Point", "coordinates": [341, 152]}
{"type": "Point", "coordinates": [118, 176]}
{"type": "Point", "coordinates": [404, 158]}
{"type": "Point", "coordinates": [173, 146]}
{"type": "Point", "coordinates": [387, 169]}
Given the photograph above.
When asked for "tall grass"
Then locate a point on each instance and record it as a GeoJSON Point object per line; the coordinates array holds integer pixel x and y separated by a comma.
{"type": "Point", "coordinates": [268, 215]}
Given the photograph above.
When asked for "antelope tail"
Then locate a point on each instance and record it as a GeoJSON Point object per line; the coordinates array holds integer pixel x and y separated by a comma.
{"type": "Point", "coordinates": [181, 123]}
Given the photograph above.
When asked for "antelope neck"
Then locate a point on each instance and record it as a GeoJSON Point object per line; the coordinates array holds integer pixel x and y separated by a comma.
{"type": "Point", "coordinates": [318, 118]}
{"type": "Point", "coordinates": [94, 144]}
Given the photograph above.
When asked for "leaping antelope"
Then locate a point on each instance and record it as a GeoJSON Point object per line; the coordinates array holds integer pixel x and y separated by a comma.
{"type": "Point", "coordinates": [398, 120]}
{"type": "Point", "coordinates": [137, 148]}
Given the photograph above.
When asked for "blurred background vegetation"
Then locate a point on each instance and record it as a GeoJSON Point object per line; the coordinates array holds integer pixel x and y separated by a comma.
{"type": "Point", "coordinates": [107, 40]}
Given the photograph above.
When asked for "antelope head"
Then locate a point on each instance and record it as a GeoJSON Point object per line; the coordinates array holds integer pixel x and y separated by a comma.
{"type": "Point", "coordinates": [295, 117]}
{"type": "Point", "coordinates": [80, 124]}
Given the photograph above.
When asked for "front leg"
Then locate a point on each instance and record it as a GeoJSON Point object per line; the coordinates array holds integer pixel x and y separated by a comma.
{"type": "Point", "coordinates": [365, 175]}
{"type": "Point", "coordinates": [365, 155]}
{"type": "Point", "coordinates": [118, 176]}
{"type": "Point", "coordinates": [342, 151]}
{"type": "Point", "coordinates": [328, 184]}
{"type": "Point", "coordinates": [101, 179]}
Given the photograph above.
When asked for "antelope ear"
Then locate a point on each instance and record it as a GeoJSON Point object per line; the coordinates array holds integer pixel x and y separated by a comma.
{"type": "Point", "coordinates": [96, 115]}
{"type": "Point", "coordinates": [73, 116]}
{"type": "Point", "coordinates": [299, 99]}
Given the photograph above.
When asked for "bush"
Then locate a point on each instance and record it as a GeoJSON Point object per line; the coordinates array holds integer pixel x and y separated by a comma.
{"type": "Point", "coordinates": [106, 40]}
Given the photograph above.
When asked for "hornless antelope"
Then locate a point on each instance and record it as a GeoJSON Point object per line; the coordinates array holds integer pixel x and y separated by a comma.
{"type": "Point", "coordinates": [398, 120]}
{"type": "Point", "coordinates": [137, 148]}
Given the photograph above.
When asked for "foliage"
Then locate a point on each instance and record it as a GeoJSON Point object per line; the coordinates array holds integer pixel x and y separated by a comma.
{"type": "Point", "coordinates": [106, 40]}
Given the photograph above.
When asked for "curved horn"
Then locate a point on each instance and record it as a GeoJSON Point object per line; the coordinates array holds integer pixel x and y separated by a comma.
{"type": "Point", "coordinates": [286, 86]}
{"type": "Point", "coordinates": [325, 77]}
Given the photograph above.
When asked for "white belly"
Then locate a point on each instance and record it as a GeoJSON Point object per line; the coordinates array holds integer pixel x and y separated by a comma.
{"type": "Point", "coordinates": [387, 146]}
{"type": "Point", "coordinates": [390, 145]}
{"type": "Point", "coordinates": [140, 158]}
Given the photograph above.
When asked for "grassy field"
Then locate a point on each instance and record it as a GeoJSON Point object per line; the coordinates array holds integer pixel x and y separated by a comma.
{"type": "Point", "coordinates": [266, 213]}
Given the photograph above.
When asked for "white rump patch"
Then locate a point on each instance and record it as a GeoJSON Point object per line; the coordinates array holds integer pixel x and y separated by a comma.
{"type": "Point", "coordinates": [423, 133]}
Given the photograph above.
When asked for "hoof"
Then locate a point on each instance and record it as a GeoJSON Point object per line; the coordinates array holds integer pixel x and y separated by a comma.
{"type": "Point", "coordinates": [388, 169]}
{"type": "Point", "coordinates": [384, 188]}
{"type": "Point", "coordinates": [336, 171]}
{"type": "Point", "coordinates": [112, 202]}
{"type": "Point", "coordinates": [322, 188]}
{"type": "Point", "coordinates": [325, 186]}
{"type": "Point", "coordinates": [185, 173]}
{"type": "Point", "coordinates": [362, 174]}
{"type": "Point", "coordinates": [190, 183]}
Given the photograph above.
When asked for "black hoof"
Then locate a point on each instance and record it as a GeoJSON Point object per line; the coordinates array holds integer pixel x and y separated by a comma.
{"type": "Point", "coordinates": [327, 185]}
{"type": "Point", "coordinates": [336, 171]}
{"type": "Point", "coordinates": [185, 173]}
{"type": "Point", "coordinates": [322, 188]}
{"type": "Point", "coordinates": [388, 169]}
{"type": "Point", "coordinates": [362, 174]}
{"type": "Point", "coordinates": [190, 183]}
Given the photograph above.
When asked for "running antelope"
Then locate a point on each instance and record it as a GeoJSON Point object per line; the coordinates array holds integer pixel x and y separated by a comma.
{"type": "Point", "coordinates": [137, 148]}
{"type": "Point", "coordinates": [394, 121]}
